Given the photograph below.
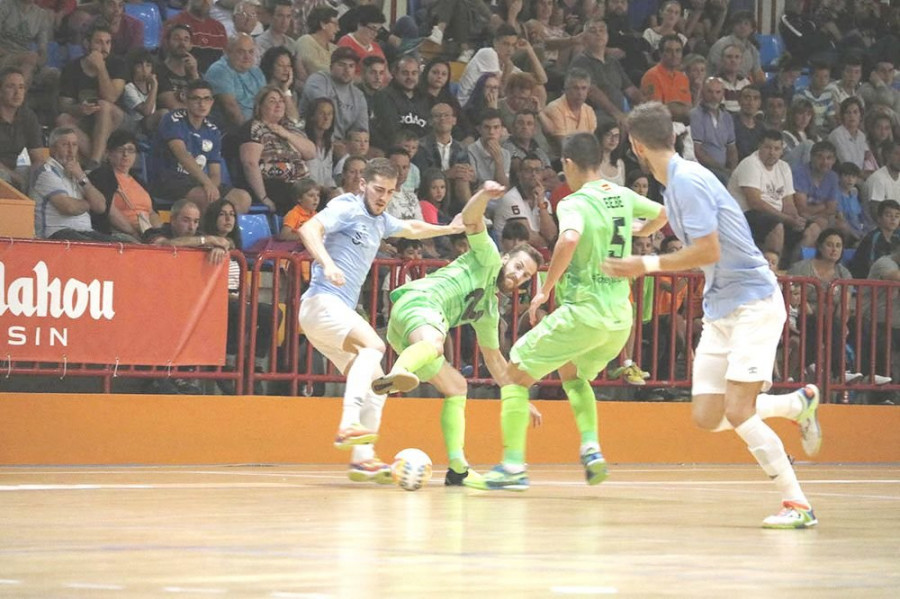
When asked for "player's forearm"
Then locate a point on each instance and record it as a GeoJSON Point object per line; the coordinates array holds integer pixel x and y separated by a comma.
{"type": "Point", "coordinates": [562, 257]}
{"type": "Point", "coordinates": [417, 229]}
{"type": "Point", "coordinates": [705, 251]}
{"type": "Point", "coordinates": [652, 226]}
{"type": "Point", "coordinates": [473, 211]}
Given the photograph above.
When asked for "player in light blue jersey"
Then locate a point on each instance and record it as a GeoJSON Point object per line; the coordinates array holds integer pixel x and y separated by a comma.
{"type": "Point", "coordinates": [744, 312]}
{"type": "Point", "coordinates": [344, 239]}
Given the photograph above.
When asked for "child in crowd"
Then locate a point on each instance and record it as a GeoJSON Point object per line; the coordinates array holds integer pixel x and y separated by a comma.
{"type": "Point", "coordinates": [773, 259]}
{"type": "Point", "coordinates": [407, 140]}
{"type": "Point", "coordinates": [139, 96]}
{"type": "Point", "coordinates": [459, 245]}
{"type": "Point", "coordinates": [514, 234]}
{"type": "Point", "coordinates": [851, 218]}
{"type": "Point", "coordinates": [307, 194]}
{"type": "Point", "coordinates": [357, 144]}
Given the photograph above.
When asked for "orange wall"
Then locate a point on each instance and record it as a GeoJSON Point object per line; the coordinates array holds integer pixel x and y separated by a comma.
{"type": "Point", "coordinates": [155, 429]}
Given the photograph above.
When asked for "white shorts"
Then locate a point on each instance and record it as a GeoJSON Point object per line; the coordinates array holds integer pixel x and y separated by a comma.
{"type": "Point", "coordinates": [740, 347]}
{"type": "Point", "coordinates": [326, 321]}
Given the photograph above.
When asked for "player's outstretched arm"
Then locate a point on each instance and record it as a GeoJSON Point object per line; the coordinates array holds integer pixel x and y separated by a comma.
{"type": "Point", "coordinates": [473, 211]}
{"type": "Point", "coordinates": [418, 229]}
{"type": "Point", "coordinates": [650, 227]}
{"type": "Point", "coordinates": [559, 262]}
{"type": "Point", "coordinates": [313, 236]}
{"type": "Point", "coordinates": [703, 251]}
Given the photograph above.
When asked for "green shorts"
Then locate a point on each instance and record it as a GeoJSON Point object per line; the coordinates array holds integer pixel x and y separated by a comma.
{"type": "Point", "coordinates": [409, 312]}
{"type": "Point", "coordinates": [563, 337]}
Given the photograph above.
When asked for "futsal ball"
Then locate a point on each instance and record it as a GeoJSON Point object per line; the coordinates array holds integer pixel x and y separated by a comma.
{"type": "Point", "coordinates": [411, 469]}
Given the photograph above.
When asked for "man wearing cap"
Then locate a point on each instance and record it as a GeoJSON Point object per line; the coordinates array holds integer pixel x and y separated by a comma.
{"type": "Point", "coordinates": [351, 110]}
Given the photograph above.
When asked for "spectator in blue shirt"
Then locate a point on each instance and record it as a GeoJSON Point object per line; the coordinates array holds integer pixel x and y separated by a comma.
{"type": "Point", "coordinates": [235, 81]}
{"type": "Point", "coordinates": [188, 154]}
{"type": "Point", "coordinates": [713, 131]}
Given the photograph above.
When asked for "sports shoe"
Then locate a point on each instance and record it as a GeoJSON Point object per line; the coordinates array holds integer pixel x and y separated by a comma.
{"type": "Point", "coordinates": [792, 515]}
{"type": "Point", "coordinates": [455, 479]}
{"type": "Point", "coordinates": [466, 56]}
{"type": "Point", "coordinates": [808, 420]}
{"type": "Point", "coordinates": [632, 374]}
{"type": "Point", "coordinates": [499, 479]}
{"type": "Point", "coordinates": [437, 36]}
{"type": "Point", "coordinates": [400, 381]}
{"type": "Point", "coordinates": [595, 471]}
{"type": "Point", "coordinates": [354, 434]}
{"type": "Point", "coordinates": [880, 380]}
{"type": "Point", "coordinates": [371, 470]}
{"type": "Point", "coordinates": [852, 377]}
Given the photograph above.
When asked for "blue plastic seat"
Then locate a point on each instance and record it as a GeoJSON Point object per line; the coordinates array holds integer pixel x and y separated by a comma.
{"type": "Point", "coordinates": [56, 55]}
{"type": "Point", "coordinates": [848, 256]}
{"type": "Point", "coordinates": [808, 253]}
{"type": "Point", "coordinates": [802, 82]}
{"type": "Point", "coordinates": [770, 50]}
{"type": "Point", "coordinates": [148, 14]}
{"type": "Point", "coordinates": [254, 230]}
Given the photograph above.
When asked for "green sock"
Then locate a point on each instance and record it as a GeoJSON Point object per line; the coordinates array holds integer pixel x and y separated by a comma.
{"type": "Point", "coordinates": [415, 356]}
{"type": "Point", "coordinates": [514, 423]}
{"type": "Point", "coordinates": [453, 424]}
{"type": "Point", "coordinates": [581, 398]}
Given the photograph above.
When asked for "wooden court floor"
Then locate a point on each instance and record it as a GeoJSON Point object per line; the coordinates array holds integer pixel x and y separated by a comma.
{"type": "Point", "coordinates": [306, 531]}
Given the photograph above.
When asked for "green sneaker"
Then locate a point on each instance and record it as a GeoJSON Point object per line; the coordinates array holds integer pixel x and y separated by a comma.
{"type": "Point", "coordinates": [808, 420]}
{"type": "Point", "coordinates": [498, 479]}
{"type": "Point", "coordinates": [595, 471]}
{"type": "Point", "coordinates": [792, 515]}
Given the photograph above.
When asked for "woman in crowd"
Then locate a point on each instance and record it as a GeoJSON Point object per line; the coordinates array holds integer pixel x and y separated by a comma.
{"type": "Point", "coordinates": [695, 68]}
{"type": "Point", "coordinates": [799, 132]}
{"type": "Point", "coordinates": [670, 14]}
{"type": "Point", "coordinates": [849, 139]}
{"type": "Point", "coordinates": [612, 166]}
{"type": "Point", "coordinates": [277, 64]}
{"type": "Point", "coordinates": [434, 84]}
{"type": "Point", "coordinates": [485, 94]}
{"type": "Point", "coordinates": [320, 129]}
{"type": "Point", "coordinates": [878, 131]}
{"type": "Point", "coordinates": [220, 218]}
{"type": "Point", "coordinates": [826, 267]}
{"type": "Point", "coordinates": [129, 209]}
{"type": "Point", "coordinates": [351, 175]}
{"type": "Point", "coordinates": [273, 151]}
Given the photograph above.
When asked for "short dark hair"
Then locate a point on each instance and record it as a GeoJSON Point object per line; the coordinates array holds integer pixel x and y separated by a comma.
{"type": "Point", "coordinates": [119, 138]}
{"type": "Point", "coordinates": [404, 244]}
{"type": "Point", "coordinates": [139, 56]}
{"type": "Point", "coordinates": [884, 205]}
{"type": "Point", "coordinates": [177, 26]}
{"type": "Point", "coordinates": [97, 26]}
{"type": "Point", "coordinates": [7, 71]}
{"type": "Point", "coordinates": [380, 167]}
{"type": "Point", "coordinates": [666, 241]}
{"type": "Point", "coordinates": [651, 124]}
{"type": "Point", "coordinates": [742, 15]}
{"type": "Point", "coordinates": [576, 74]}
{"type": "Point", "coordinates": [505, 30]}
{"type": "Point", "coordinates": [851, 60]}
{"type": "Point", "coordinates": [368, 61]}
{"type": "Point", "coordinates": [770, 135]}
{"type": "Point", "coordinates": [403, 134]}
{"type": "Point", "coordinates": [823, 146]}
{"type": "Point", "coordinates": [669, 38]}
{"type": "Point", "coordinates": [583, 149]}
{"type": "Point", "coordinates": [319, 16]}
{"type": "Point", "coordinates": [369, 14]}
{"type": "Point", "coordinates": [396, 151]}
{"type": "Point", "coordinates": [848, 168]}
{"type": "Point", "coordinates": [848, 102]}
{"type": "Point", "coordinates": [197, 84]}
{"type": "Point", "coordinates": [353, 158]}
{"type": "Point", "coordinates": [825, 234]}
{"type": "Point", "coordinates": [489, 114]}
{"type": "Point", "coordinates": [515, 230]}
{"type": "Point", "coordinates": [267, 62]}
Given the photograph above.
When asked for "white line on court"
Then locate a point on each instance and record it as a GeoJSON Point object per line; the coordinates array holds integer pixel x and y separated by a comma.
{"type": "Point", "coordinates": [289, 595]}
{"type": "Point", "coordinates": [197, 590]}
{"type": "Point", "coordinates": [10, 581]}
{"type": "Point", "coordinates": [93, 586]}
{"type": "Point", "coordinates": [587, 590]}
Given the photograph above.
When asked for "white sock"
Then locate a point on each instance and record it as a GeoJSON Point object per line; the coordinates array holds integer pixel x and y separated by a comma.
{"type": "Point", "coordinates": [586, 447]}
{"type": "Point", "coordinates": [514, 468]}
{"type": "Point", "coordinates": [361, 453]}
{"type": "Point", "coordinates": [370, 415]}
{"type": "Point", "coordinates": [788, 405]}
{"type": "Point", "coordinates": [769, 452]}
{"type": "Point", "coordinates": [627, 362]}
{"type": "Point", "coordinates": [359, 381]}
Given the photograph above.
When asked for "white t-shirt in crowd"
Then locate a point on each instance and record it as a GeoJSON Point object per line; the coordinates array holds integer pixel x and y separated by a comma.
{"type": "Point", "coordinates": [773, 184]}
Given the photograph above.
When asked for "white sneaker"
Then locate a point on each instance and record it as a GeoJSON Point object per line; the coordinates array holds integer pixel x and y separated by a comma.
{"type": "Point", "coordinates": [880, 380]}
{"type": "Point", "coordinates": [466, 56]}
{"type": "Point", "coordinates": [437, 36]}
{"type": "Point", "coordinates": [852, 377]}
{"type": "Point", "coordinates": [808, 420]}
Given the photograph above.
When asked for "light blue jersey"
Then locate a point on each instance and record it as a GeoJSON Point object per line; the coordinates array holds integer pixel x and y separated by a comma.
{"type": "Point", "coordinates": [352, 238]}
{"type": "Point", "coordinates": [697, 204]}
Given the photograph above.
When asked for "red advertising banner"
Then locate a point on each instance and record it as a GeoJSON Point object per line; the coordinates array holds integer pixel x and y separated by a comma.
{"type": "Point", "coordinates": [104, 304]}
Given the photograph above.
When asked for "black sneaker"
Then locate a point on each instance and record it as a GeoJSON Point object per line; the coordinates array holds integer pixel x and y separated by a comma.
{"type": "Point", "coordinates": [455, 479]}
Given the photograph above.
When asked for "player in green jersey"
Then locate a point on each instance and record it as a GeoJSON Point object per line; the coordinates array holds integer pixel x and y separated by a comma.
{"type": "Point", "coordinates": [464, 291]}
{"type": "Point", "coordinates": [593, 316]}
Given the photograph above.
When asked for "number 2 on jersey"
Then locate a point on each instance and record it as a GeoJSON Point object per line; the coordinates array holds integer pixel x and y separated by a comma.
{"type": "Point", "coordinates": [470, 313]}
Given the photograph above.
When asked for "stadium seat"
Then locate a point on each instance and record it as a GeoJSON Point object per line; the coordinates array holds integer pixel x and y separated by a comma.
{"type": "Point", "coordinates": [808, 253]}
{"type": "Point", "coordinates": [254, 230]}
{"type": "Point", "coordinates": [148, 14]}
{"type": "Point", "coordinates": [770, 50]}
{"type": "Point", "coordinates": [56, 55]}
{"type": "Point", "coordinates": [171, 13]}
{"type": "Point", "coordinates": [848, 256]}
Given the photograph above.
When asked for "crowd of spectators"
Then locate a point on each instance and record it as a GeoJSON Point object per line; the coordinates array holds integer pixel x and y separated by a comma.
{"type": "Point", "coordinates": [275, 106]}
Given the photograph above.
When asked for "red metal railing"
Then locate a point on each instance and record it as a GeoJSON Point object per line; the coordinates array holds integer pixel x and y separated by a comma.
{"type": "Point", "coordinates": [664, 337]}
